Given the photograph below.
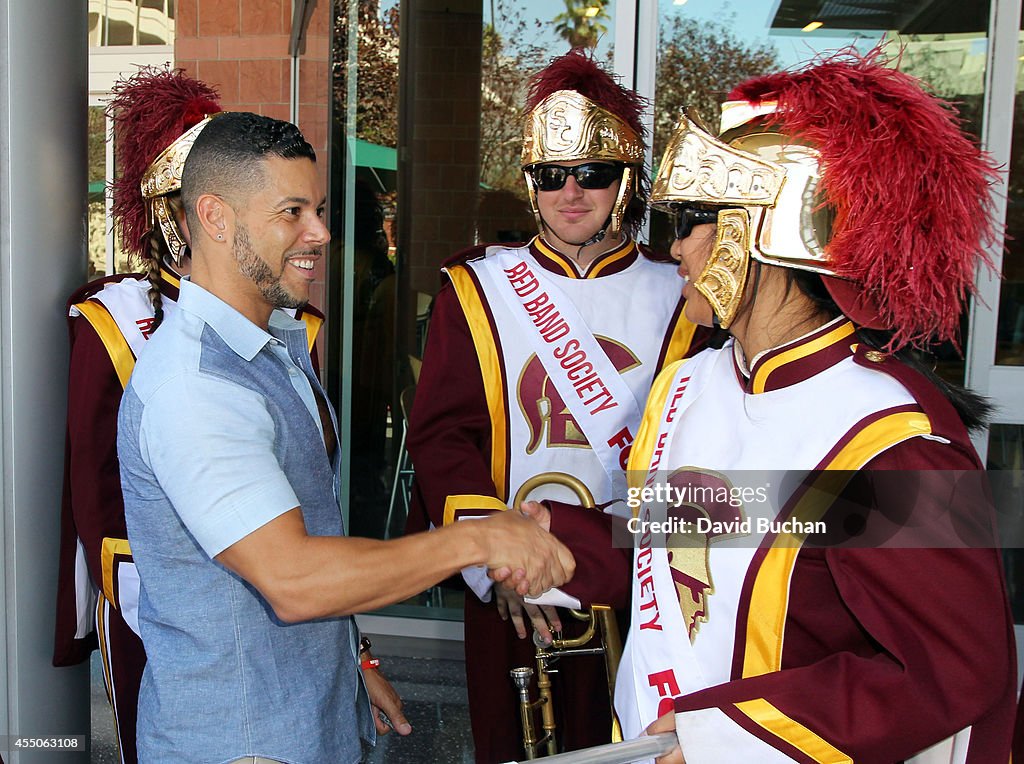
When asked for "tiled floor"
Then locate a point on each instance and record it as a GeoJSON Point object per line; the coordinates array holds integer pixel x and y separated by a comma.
{"type": "Point", "coordinates": [433, 691]}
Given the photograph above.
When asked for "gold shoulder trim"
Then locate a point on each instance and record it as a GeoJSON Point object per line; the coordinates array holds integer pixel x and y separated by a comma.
{"type": "Point", "coordinates": [490, 367]}
{"type": "Point", "coordinates": [769, 597]}
{"type": "Point", "coordinates": [110, 334]}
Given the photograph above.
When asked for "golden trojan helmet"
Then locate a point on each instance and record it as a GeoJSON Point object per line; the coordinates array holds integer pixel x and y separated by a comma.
{"type": "Point", "coordinates": [575, 111]}
{"type": "Point", "coordinates": [845, 168]}
{"type": "Point", "coordinates": [766, 184]}
{"type": "Point", "coordinates": [158, 113]}
{"type": "Point", "coordinates": [163, 177]}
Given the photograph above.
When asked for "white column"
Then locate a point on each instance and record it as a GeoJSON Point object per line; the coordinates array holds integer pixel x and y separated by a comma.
{"type": "Point", "coordinates": [636, 61]}
{"type": "Point", "coordinates": [43, 98]}
{"type": "Point", "coordinates": [1001, 383]}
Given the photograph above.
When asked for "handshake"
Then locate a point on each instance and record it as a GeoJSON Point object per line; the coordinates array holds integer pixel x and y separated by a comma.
{"type": "Point", "coordinates": [519, 551]}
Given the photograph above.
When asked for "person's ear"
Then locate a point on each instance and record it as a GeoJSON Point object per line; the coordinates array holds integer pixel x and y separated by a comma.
{"type": "Point", "coordinates": [215, 216]}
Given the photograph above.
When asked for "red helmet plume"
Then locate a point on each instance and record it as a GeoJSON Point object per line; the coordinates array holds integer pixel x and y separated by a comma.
{"type": "Point", "coordinates": [910, 190]}
{"type": "Point", "coordinates": [150, 110]}
{"type": "Point", "coordinates": [578, 70]}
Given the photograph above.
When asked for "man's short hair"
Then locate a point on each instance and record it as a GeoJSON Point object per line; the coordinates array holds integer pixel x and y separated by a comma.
{"type": "Point", "coordinates": [228, 157]}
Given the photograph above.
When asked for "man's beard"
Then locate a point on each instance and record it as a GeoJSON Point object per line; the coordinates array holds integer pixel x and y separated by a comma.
{"type": "Point", "coordinates": [256, 270]}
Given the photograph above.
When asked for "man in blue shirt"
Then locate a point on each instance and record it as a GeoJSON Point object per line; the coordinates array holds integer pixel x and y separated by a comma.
{"type": "Point", "coordinates": [229, 465]}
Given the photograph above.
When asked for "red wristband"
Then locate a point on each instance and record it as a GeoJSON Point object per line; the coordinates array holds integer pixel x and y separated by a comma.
{"type": "Point", "coordinates": [370, 663]}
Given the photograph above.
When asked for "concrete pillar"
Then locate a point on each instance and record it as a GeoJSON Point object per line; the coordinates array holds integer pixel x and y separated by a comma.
{"type": "Point", "coordinates": [43, 100]}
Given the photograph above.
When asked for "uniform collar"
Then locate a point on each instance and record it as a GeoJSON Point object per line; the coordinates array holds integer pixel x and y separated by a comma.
{"type": "Point", "coordinates": [797, 360]}
{"type": "Point", "coordinates": [170, 283]}
{"type": "Point", "coordinates": [612, 261]}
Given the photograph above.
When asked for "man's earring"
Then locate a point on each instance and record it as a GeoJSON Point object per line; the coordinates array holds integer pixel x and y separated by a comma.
{"type": "Point", "coordinates": [220, 236]}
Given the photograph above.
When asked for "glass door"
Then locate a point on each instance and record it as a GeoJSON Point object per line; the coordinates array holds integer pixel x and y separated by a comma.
{"type": "Point", "coordinates": [425, 143]}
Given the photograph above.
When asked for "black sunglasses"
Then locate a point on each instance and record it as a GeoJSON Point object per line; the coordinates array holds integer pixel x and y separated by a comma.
{"type": "Point", "coordinates": [591, 176]}
{"type": "Point", "coordinates": [685, 217]}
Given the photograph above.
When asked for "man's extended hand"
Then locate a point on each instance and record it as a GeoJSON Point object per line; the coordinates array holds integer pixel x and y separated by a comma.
{"type": "Point", "coordinates": [543, 617]}
{"type": "Point", "coordinates": [385, 704]}
{"type": "Point", "coordinates": [521, 555]}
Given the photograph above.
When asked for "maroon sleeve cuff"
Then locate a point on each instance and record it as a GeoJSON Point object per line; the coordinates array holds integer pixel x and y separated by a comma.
{"type": "Point", "coordinates": [602, 571]}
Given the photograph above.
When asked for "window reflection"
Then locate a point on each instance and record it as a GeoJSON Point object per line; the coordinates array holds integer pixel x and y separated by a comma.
{"type": "Point", "coordinates": [1006, 452]}
{"type": "Point", "coordinates": [460, 145]}
{"type": "Point", "coordinates": [1010, 326]}
{"type": "Point", "coordinates": [430, 165]}
{"type": "Point", "coordinates": [97, 220]}
{"type": "Point", "coordinates": [131, 22]}
{"type": "Point", "coordinates": [103, 247]}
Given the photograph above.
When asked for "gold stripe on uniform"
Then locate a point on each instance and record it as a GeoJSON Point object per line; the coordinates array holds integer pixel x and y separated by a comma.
{"type": "Point", "coordinates": [313, 324]}
{"type": "Point", "coordinates": [770, 594]}
{"type": "Point", "coordinates": [642, 451]}
{"type": "Point", "coordinates": [171, 278]}
{"type": "Point", "coordinates": [101, 638]}
{"type": "Point", "coordinates": [769, 599]}
{"type": "Point", "coordinates": [490, 367]}
{"type": "Point", "coordinates": [555, 257]}
{"type": "Point", "coordinates": [106, 660]}
{"type": "Point", "coordinates": [602, 266]}
{"type": "Point", "coordinates": [117, 346]}
{"type": "Point", "coordinates": [454, 503]}
{"type": "Point", "coordinates": [682, 337]}
{"type": "Point", "coordinates": [772, 719]}
{"type": "Point", "coordinates": [802, 351]}
{"type": "Point", "coordinates": [111, 548]}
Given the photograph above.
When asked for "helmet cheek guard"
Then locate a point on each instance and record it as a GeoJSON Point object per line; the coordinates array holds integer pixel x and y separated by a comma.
{"type": "Point", "coordinates": [163, 177]}
{"type": "Point", "coordinates": [724, 276]}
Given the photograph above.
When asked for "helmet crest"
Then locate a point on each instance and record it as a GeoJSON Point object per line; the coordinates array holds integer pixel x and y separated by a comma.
{"type": "Point", "coordinates": [150, 110]}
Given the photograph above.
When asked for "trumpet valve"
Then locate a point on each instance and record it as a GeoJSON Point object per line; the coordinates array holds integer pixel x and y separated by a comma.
{"type": "Point", "coordinates": [542, 643]}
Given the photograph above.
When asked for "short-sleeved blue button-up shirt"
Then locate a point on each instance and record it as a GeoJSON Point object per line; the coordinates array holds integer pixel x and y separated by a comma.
{"type": "Point", "coordinates": [218, 434]}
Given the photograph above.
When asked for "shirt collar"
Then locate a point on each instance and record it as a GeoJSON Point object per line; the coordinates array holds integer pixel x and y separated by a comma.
{"type": "Point", "coordinates": [613, 261]}
{"type": "Point", "coordinates": [238, 332]}
{"type": "Point", "coordinates": [796, 360]}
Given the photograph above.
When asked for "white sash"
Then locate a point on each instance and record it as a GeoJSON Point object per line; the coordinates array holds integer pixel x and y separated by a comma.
{"type": "Point", "coordinates": [594, 392]}
{"type": "Point", "coordinates": [663, 666]}
{"type": "Point", "coordinates": [129, 305]}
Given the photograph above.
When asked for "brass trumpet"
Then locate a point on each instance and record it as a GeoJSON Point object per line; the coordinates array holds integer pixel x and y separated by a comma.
{"type": "Point", "coordinates": [601, 626]}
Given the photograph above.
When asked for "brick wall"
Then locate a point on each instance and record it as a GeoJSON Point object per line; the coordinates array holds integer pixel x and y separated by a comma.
{"type": "Point", "coordinates": [241, 48]}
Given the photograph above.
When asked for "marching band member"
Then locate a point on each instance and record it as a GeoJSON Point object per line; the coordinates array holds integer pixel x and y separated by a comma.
{"type": "Point", "coordinates": [538, 360]}
{"type": "Point", "coordinates": [834, 225]}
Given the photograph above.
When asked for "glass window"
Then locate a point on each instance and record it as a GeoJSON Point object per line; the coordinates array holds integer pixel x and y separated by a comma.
{"type": "Point", "coordinates": [1006, 453]}
{"type": "Point", "coordinates": [97, 194]}
{"type": "Point", "coordinates": [131, 22]}
{"type": "Point", "coordinates": [1010, 327]}
{"type": "Point", "coordinates": [425, 162]}
{"type": "Point", "coordinates": [103, 246]}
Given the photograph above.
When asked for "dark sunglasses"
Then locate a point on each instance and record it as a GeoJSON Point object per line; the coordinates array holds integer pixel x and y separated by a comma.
{"type": "Point", "coordinates": [685, 217]}
{"type": "Point", "coordinates": [591, 176]}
